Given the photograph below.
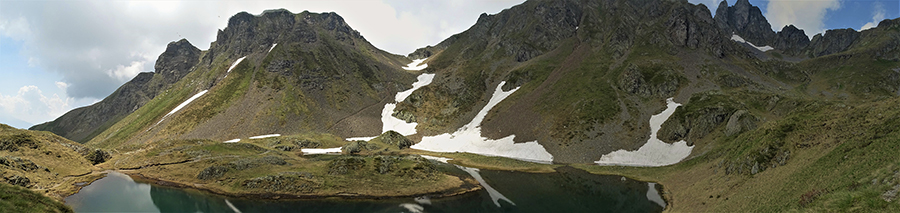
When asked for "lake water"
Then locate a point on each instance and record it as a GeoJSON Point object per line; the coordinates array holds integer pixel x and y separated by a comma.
{"type": "Point", "coordinates": [568, 190]}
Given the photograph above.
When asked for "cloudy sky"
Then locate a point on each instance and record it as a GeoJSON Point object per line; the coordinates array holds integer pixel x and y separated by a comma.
{"type": "Point", "coordinates": [59, 55]}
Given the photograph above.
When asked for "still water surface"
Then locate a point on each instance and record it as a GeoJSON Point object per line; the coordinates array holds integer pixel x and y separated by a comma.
{"type": "Point", "coordinates": [568, 190]}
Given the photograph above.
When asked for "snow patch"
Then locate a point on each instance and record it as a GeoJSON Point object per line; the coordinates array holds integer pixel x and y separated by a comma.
{"type": "Point", "coordinates": [416, 65]}
{"type": "Point", "coordinates": [272, 48]}
{"type": "Point", "coordinates": [360, 138]}
{"type": "Point", "coordinates": [439, 159]}
{"type": "Point", "coordinates": [237, 62]}
{"type": "Point", "coordinates": [738, 38]}
{"type": "Point", "coordinates": [233, 140]}
{"type": "Point", "coordinates": [421, 81]}
{"type": "Point", "coordinates": [320, 151]}
{"type": "Point", "coordinates": [388, 121]}
{"type": "Point", "coordinates": [654, 152]}
{"type": "Point", "coordinates": [265, 136]}
{"type": "Point", "coordinates": [182, 105]}
{"type": "Point", "coordinates": [468, 138]}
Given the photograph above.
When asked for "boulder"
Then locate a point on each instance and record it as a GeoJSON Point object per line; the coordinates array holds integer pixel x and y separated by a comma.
{"type": "Point", "coordinates": [395, 139]}
{"type": "Point", "coordinates": [213, 172]}
{"type": "Point", "coordinates": [345, 165]}
{"type": "Point", "coordinates": [739, 122]}
{"type": "Point", "coordinates": [98, 156]}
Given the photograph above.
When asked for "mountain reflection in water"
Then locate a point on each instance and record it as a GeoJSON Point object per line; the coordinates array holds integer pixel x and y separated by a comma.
{"type": "Point", "coordinates": [567, 190]}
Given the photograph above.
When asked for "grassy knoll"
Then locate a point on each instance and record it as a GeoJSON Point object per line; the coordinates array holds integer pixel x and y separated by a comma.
{"type": "Point", "coordinates": [276, 168]}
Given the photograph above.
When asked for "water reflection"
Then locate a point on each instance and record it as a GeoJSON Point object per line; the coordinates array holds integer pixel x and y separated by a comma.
{"type": "Point", "coordinates": [568, 190]}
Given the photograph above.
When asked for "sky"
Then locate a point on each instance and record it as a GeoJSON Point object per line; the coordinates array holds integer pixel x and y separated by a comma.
{"type": "Point", "coordinates": [57, 55]}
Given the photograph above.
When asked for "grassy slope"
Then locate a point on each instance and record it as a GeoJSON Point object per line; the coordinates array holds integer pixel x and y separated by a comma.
{"type": "Point", "coordinates": [64, 165]}
{"type": "Point", "coordinates": [18, 199]}
{"type": "Point", "coordinates": [835, 153]}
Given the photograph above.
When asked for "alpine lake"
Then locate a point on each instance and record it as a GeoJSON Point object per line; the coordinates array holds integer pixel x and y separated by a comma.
{"type": "Point", "coordinates": [567, 190]}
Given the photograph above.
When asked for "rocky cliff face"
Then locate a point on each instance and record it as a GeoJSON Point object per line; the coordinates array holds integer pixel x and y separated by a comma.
{"type": "Point", "coordinates": [833, 41]}
{"type": "Point", "coordinates": [745, 20]}
{"type": "Point", "coordinates": [83, 123]}
{"type": "Point", "coordinates": [791, 40]}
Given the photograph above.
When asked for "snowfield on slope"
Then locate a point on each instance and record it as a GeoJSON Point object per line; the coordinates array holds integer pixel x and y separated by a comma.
{"type": "Point", "coordinates": [390, 122]}
{"type": "Point", "coordinates": [738, 38]}
{"type": "Point", "coordinates": [265, 136]}
{"type": "Point", "coordinates": [182, 105]}
{"type": "Point", "coordinates": [321, 151]}
{"type": "Point", "coordinates": [416, 65]}
{"type": "Point", "coordinates": [655, 152]}
{"type": "Point", "coordinates": [468, 138]}
{"type": "Point", "coordinates": [238, 61]}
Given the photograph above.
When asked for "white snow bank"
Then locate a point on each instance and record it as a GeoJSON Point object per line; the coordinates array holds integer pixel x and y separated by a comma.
{"type": "Point", "coordinates": [265, 136]}
{"type": "Point", "coordinates": [468, 138]}
{"type": "Point", "coordinates": [182, 105]}
{"type": "Point", "coordinates": [392, 123]}
{"type": "Point", "coordinates": [421, 81]}
{"type": "Point", "coordinates": [439, 159]}
{"type": "Point", "coordinates": [233, 140]}
{"type": "Point", "coordinates": [416, 65]}
{"type": "Point", "coordinates": [272, 48]}
{"type": "Point", "coordinates": [237, 62]}
{"type": "Point", "coordinates": [654, 152]}
{"type": "Point", "coordinates": [738, 38]}
{"type": "Point", "coordinates": [388, 121]}
{"type": "Point", "coordinates": [360, 138]}
{"type": "Point", "coordinates": [186, 102]}
{"type": "Point", "coordinates": [495, 195]}
{"type": "Point", "coordinates": [321, 151]}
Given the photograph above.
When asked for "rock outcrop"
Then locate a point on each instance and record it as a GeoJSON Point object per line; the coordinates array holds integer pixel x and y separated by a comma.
{"type": "Point", "coordinates": [746, 21]}
{"type": "Point", "coordinates": [791, 40]}
{"type": "Point", "coordinates": [833, 41]}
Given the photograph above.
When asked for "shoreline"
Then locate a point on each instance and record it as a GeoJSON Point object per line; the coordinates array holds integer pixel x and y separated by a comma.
{"type": "Point", "coordinates": [465, 188]}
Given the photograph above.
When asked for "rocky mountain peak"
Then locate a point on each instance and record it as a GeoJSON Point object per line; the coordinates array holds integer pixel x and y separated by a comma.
{"type": "Point", "coordinates": [833, 41]}
{"type": "Point", "coordinates": [746, 21]}
{"type": "Point", "coordinates": [177, 60]}
{"type": "Point", "coordinates": [790, 40]}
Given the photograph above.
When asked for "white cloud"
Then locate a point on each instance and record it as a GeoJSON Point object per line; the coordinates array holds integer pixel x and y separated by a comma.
{"type": "Point", "coordinates": [31, 105]}
{"type": "Point", "coordinates": [16, 28]}
{"type": "Point", "coordinates": [62, 85]}
{"type": "Point", "coordinates": [806, 15]}
{"type": "Point", "coordinates": [877, 16]}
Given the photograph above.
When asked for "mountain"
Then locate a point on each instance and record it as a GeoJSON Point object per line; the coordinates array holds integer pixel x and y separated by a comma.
{"type": "Point", "coordinates": [278, 72]}
{"type": "Point", "coordinates": [84, 123]}
{"type": "Point", "coordinates": [771, 118]}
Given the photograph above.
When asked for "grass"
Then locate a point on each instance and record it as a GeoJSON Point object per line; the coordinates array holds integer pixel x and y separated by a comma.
{"type": "Point", "coordinates": [180, 161]}
{"type": "Point", "coordinates": [19, 199]}
{"type": "Point", "coordinates": [835, 153]}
